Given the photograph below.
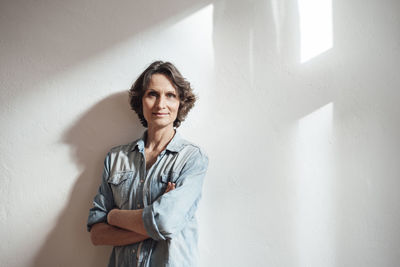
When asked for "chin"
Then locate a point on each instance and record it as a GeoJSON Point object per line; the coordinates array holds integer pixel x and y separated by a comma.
{"type": "Point", "coordinates": [162, 125]}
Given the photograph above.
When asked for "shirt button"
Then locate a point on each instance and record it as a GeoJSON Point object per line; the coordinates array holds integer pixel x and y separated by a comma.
{"type": "Point", "coordinates": [138, 205]}
{"type": "Point", "coordinates": [141, 181]}
{"type": "Point", "coordinates": [133, 251]}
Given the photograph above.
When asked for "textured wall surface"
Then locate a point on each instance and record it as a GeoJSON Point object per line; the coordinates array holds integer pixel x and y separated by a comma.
{"type": "Point", "coordinates": [303, 152]}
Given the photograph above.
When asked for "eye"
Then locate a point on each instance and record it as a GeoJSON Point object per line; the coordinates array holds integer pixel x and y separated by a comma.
{"type": "Point", "coordinates": [171, 95]}
{"type": "Point", "coordinates": [152, 93]}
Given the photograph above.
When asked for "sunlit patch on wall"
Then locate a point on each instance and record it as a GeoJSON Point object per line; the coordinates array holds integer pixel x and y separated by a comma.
{"type": "Point", "coordinates": [314, 187]}
{"type": "Point", "coordinates": [316, 31]}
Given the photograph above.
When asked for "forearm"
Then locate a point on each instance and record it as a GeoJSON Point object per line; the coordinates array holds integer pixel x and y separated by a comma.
{"type": "Point", "coordinates": [105, 234]}
{"type": "Point", "coordinates": [131, 220]}
{"type": "Point", "coordinates": [127, 219]}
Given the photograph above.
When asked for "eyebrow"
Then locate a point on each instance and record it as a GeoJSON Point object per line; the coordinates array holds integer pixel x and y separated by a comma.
{"type": "Point", "coordinates": [169, 91]}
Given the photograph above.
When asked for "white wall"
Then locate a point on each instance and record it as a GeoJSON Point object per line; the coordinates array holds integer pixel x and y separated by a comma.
{"type": "Point", "coordinates": [303, 151]}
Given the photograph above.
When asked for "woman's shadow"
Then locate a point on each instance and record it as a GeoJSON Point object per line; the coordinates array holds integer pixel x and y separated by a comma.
{"type": "Point", "coordinates": [108, 123]}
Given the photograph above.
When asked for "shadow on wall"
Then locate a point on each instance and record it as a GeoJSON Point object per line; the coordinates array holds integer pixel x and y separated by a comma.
{"type": "Point", "coordinates": [65, 33]}
{"type": "Point", "coordinates": [108, 123]}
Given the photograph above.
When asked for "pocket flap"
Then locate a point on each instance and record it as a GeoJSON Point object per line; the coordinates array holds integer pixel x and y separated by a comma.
{"type": "Point", "coordinates": [164, 178]}
{"type": "Point", "coordinates": [171, 177]}
{"type": "Point", "coordinates": [119, 177]}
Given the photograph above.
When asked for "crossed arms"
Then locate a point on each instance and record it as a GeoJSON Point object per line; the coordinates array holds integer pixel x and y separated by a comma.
{"type": "Point", "coordinates": [124, 227]}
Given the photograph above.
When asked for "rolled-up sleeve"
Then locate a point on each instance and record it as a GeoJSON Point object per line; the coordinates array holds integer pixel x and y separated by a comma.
{"type": "Point", "coordinates": [170, 213]}
{"type": "Point", "coordinates": [103, 201]}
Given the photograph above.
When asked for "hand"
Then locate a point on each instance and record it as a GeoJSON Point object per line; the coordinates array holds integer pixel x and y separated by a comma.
{"type": "Point", "coordinates": [170, 187]}
{"type": "Point", "coordinates": [109, 215]}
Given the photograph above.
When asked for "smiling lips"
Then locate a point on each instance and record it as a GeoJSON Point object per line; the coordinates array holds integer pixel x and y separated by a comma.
{"type": "Point", "coordinates": [160, 114]}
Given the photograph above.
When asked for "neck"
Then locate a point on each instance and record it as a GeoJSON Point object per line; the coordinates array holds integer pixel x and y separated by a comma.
{"type": "Point", "coordinates": [158, 139]}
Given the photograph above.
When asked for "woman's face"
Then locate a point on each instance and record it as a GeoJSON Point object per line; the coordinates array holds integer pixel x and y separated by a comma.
{"type": "Point", "coordinates": [160, 102]}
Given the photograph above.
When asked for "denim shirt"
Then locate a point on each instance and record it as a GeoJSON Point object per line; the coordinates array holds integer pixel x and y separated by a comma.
{"type": "Point", "coordinates": [169, 219]}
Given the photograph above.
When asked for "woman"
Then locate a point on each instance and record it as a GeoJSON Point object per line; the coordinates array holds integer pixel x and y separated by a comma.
{"type": "Point", "coordinates": [151, 187]}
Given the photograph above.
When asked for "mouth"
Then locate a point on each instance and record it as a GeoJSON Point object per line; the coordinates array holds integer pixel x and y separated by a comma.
{"type": "Point", "coordinates": [160, 114]}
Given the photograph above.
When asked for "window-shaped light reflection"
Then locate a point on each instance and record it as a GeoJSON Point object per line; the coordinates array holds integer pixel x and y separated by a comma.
{"type": "Point", "coordinates": [314, 220]}
{"type": "Point", "coordinates": [316, 31]}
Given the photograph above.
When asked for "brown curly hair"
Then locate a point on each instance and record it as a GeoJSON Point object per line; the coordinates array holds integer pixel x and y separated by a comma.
{"type": "Point", "coordinates": [186, 96]}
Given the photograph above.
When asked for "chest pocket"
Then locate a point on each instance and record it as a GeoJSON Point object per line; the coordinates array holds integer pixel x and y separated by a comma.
{"type": "Point", "coordinates": [121, 184]}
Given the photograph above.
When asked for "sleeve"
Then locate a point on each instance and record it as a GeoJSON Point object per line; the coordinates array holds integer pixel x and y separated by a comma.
{"type": "Point", "coordinates": [103, 201]}
{"type": "Point", "coordinates": [169, 213]}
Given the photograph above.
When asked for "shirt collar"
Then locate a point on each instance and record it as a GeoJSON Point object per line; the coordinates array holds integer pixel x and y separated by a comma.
{"type": "Point", "coordinates": [175, 145]}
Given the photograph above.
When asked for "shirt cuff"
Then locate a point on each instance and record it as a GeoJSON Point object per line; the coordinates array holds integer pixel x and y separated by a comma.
{"type": "Point", "coordinates": [96, 217]}
{"type": "Point", "coordinates": [150, 224]}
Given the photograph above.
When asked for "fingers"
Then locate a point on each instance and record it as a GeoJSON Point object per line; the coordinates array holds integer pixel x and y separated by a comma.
{"type": "Point", "coordinates": [170, 186]}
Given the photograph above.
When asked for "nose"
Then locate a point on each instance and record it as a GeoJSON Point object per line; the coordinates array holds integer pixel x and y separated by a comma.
{"type": "Point", "coordinates": [161, 101]}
